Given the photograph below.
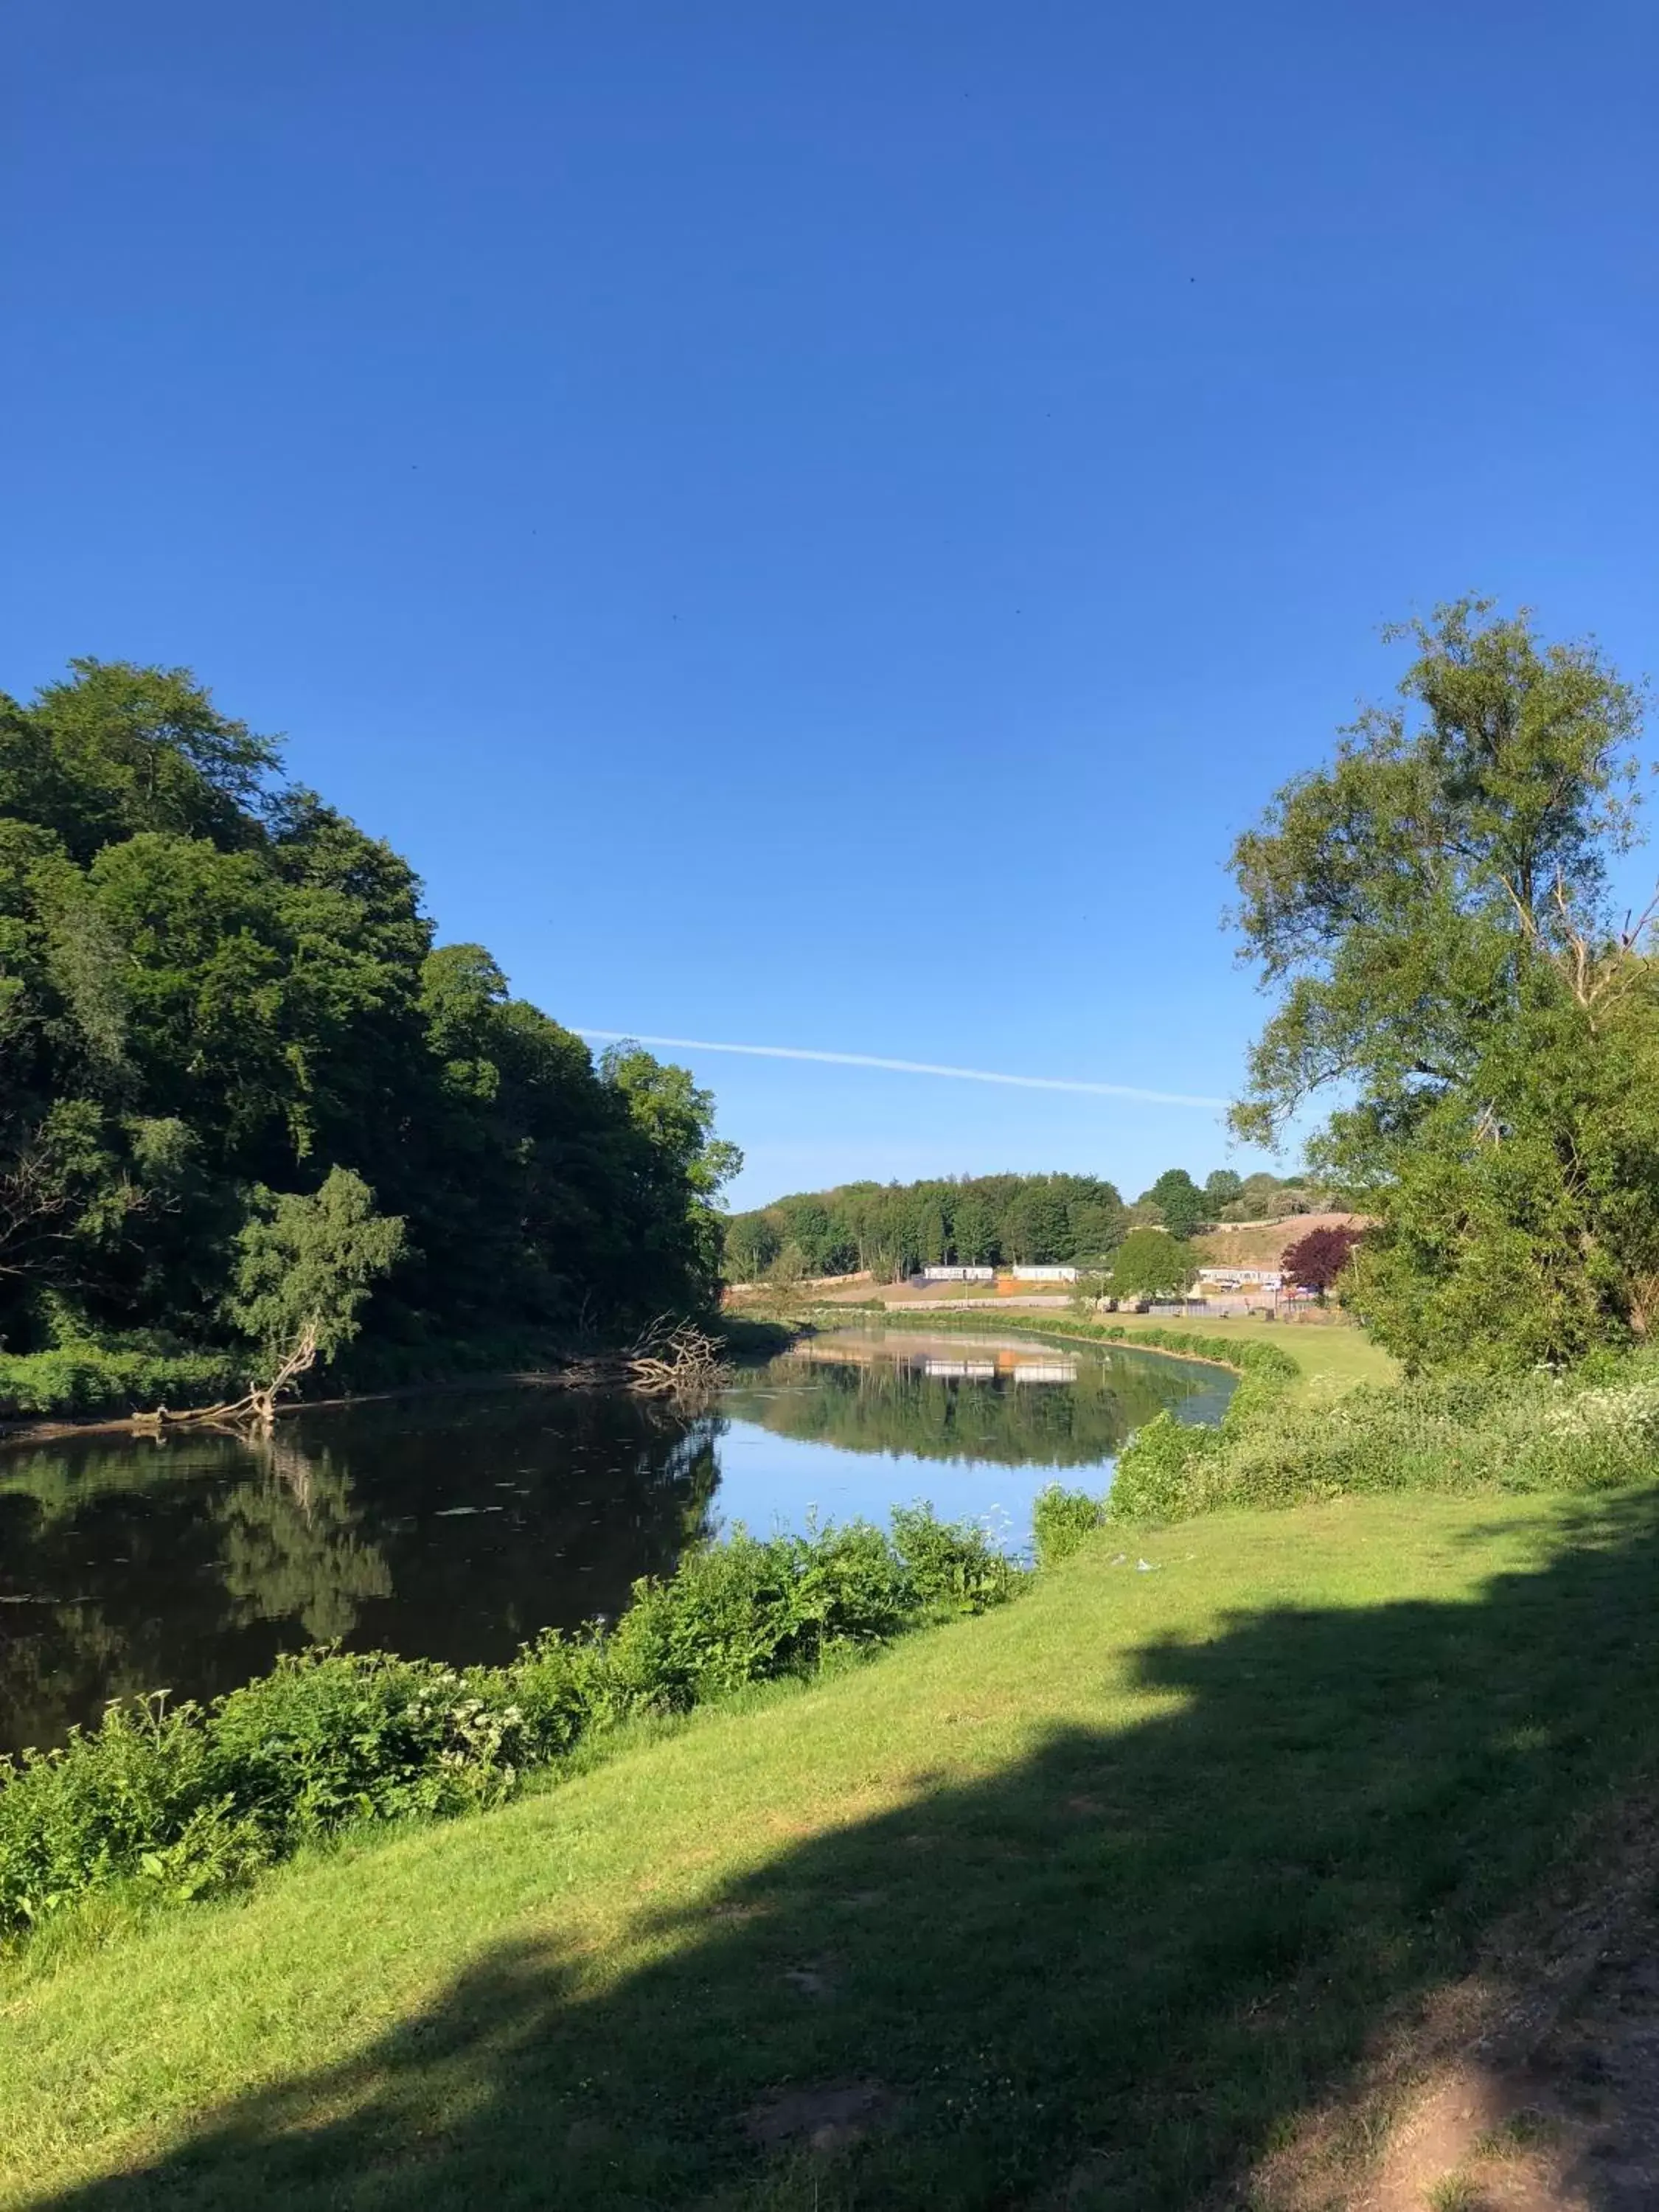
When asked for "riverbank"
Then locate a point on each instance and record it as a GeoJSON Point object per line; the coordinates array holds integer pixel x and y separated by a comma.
{"type": "Point", "coordinates": [547, 1366]}
{"type": "Point", "coordinates": [1093, 1899]}
{"type": "Point", "coordinates": [1326, 1359]}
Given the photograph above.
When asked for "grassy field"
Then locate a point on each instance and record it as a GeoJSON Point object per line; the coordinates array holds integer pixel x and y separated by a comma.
{"type": "Point", "coordinates": [1080, 1903]}
{"type": "Point", "coordinates": [1329, 1353]}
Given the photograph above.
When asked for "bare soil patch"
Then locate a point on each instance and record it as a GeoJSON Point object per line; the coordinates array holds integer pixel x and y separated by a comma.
{"type": "Point", "coordinates": [825, 2118]}
{"type": "Point", "coordinates": [1533, 2085]}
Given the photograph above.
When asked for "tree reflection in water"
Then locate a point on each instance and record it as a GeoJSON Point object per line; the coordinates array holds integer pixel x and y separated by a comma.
{"type": "Point", "coordinates": [452, 1526]}
{"type": "Point", "coordinates": [1019, 1403]}
{"type": "Point", "coordinates": [456, 1525]}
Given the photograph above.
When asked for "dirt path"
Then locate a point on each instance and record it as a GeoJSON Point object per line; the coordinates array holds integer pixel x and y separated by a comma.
{"type": "Point", "coordinates": [1532, 2087]}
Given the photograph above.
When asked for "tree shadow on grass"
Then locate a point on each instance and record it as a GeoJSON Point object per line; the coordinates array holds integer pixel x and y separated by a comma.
{"type": "Point", "coordinates": [1112, 1975]}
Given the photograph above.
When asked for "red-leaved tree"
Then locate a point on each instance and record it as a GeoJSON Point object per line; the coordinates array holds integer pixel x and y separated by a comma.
{"type": "Point", "coordinates": [1314, 1262]}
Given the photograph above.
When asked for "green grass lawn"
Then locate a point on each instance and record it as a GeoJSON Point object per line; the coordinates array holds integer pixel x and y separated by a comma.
{"type": "Point", "coordinates": [1078, 1904]}
{"type": "Point", "coordinates": [1327, 1352]}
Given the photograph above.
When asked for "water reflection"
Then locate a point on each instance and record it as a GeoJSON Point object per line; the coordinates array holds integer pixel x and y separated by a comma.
{"type": "Point", "coordinates": [454, 1525]}
{"type": "Point", "coordinates": [936, 1398]}
{"type": "Point", "coordinates": [458, 1524]}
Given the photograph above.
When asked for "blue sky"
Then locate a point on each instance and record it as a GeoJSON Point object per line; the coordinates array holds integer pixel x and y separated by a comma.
{"type": "Point", "coordinates": [816, 526]}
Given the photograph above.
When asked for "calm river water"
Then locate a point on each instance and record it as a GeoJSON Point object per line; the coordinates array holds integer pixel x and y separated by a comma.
{"type": "Point", "coordinates": [457, 1524]}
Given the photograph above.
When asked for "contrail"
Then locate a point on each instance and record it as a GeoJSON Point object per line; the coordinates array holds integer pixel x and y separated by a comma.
{"type": "Point", "coordinates": [906, 1068]}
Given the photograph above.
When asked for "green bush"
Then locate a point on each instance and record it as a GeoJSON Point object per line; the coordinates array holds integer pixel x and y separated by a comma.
{"type": "Point", "coordinates": [949, 1567]}
{"type": "Point", "coordinates": [1580, 1431]}
{"type": "Point", "coordinates": [1060, 1519]}
{"type": "Point", "coordinates": [193, 1798]}
{"type": "Point", "coordinates": [93, 1378]}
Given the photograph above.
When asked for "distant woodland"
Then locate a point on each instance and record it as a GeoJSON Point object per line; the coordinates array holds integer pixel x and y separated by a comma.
{"type": "Point", "coordinates": [891, 1228]}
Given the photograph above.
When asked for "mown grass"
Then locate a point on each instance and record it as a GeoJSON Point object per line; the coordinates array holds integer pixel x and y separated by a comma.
{"type": "Point", "coordinates": [1331, 1354]}
{"type": "Point", "coordinates": [1081, 1903]}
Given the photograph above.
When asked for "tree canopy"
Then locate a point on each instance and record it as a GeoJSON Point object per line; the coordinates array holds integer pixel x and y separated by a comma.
{"type": "Point", "coordinates": [1434, 911]}
{"type": "Point", "coordinates": [215, 991]}
{"type": "Point", "coordinates": [1151, 1263]}
{"type": "Point", "coordinates": [1182, 1206]}
{"type": "Point", "coordinates": [894, 1227]}
{"type": "Point", "coordinates": [1315, 1261]}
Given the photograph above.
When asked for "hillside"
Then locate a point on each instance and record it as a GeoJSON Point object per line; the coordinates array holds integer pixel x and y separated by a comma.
{"type": "Point", "coordinates": [1264, 1243]}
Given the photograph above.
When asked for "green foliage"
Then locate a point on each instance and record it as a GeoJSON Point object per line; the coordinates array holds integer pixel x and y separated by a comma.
{"type": "Point", "coordinates": [1592, 1429]}
{"type": "Point", "coordinates": [214, 985]}
{"type": "Point", "coordinates": [193, 1798]}
{"type": "Point", "coordinates": [1061, 1520]}
{"type": "Point", "coordinates": [1151, 1263]}
{"type": "Point", "coordinates": [749, 1246]}
{"type": "Point", "coordinates": [308, 1264]}
{"type": "Point", "coordinates": [1498, 1434]}
{"type": "Point", "coordinates": [1181, 1205]}
{"type": "Point", "coordinates": [1159, 1473]}
{"type": "Point", "coordinates": [87, 1378]}
{"type": "Point", "coordinates": [895, 1228]}
{"type": "Point", "coordinates": [1262, 1197]}
{"type": "Point", "coordinates": [1433, 908]}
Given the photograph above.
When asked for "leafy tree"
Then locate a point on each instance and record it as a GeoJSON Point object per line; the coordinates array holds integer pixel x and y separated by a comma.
{"type": "Point", "coordinates": [305, 1266]}
{"type": "Point", "coordinates": [1035, 1229]}
{"type": "Point", "coordinates": [119, 748]}
{"type": "Point", "coordinates": [972, 1221]}
{"type": "Point", "coordinates": [1314, 1262]}
{"type": "Point", "coordinates": [788, 1267]}
{"type": "Point", "coordinates": [750, 1246]}
{"type": "Point", "coordinates": [1150, 1263]}
{"type": "Point", "coordinates": [211, 982]}
{"type": "Point", "coordinates": [1181, 1204]}
{"type": "Point", "coordinates": [1433, 909]}
{"type": "Point", "coordinates": [1221, 1188]}
{"type": "Point", "coordinates": [973, 1231]}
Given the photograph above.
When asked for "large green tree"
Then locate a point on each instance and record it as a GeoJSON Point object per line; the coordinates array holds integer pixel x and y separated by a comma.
{"type": "Point", "coordinates": [1434, 911]}
{"type": "Point", "coordinates": [214, 985]}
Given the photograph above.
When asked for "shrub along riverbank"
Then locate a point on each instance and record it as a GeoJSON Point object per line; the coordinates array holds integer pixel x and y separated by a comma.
{"type": "Point", "coordinates": [95, 1379]}
{"type": "Point", "coordinates": [185, 1801]}
{"type": "Point", "coordinates": [1280, 1443]}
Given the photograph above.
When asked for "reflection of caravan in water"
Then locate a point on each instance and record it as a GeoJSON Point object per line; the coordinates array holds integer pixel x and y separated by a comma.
{"type": "Point", "coordinates": [986, 1370]}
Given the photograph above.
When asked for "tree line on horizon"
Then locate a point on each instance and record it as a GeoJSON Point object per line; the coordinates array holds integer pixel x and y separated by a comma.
{"type": "Point", "coordinates": [222, 1004]}
{"type": "Point", "coordinates": [891, 1229]}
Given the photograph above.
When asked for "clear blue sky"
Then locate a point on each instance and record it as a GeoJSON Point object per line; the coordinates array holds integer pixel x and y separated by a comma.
{"type": "Point", "coordinates": [816, 524]}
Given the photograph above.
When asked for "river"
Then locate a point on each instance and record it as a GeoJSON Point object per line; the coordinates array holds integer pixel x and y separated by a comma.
{"type": "Point", "coordinates": [455, 1525]}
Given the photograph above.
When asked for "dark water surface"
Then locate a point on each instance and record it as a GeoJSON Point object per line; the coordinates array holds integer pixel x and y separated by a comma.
{"type": "Point", "coordinates": [456, 1524]}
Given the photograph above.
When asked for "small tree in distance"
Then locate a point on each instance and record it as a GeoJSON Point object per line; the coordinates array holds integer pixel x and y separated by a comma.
{"type": "Point", "coordinates": [1181, 1204]}
{"type": "Point", "coordinates": [1314, 1262]}
{"type": "Point", "coordinates": [1150, 1263]}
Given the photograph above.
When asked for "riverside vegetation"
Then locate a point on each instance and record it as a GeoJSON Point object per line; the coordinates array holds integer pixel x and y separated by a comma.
{"type": "Point", "coordinates": [1098, 1897]}
{"type": "Point", "coordinates": [179, 1801]}
{"type": "Point", "coordinates": [221, 1000]}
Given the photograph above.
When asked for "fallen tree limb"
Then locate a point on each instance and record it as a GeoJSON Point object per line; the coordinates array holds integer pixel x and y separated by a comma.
{"type": "Point", "coordinates": [257, 1407]}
